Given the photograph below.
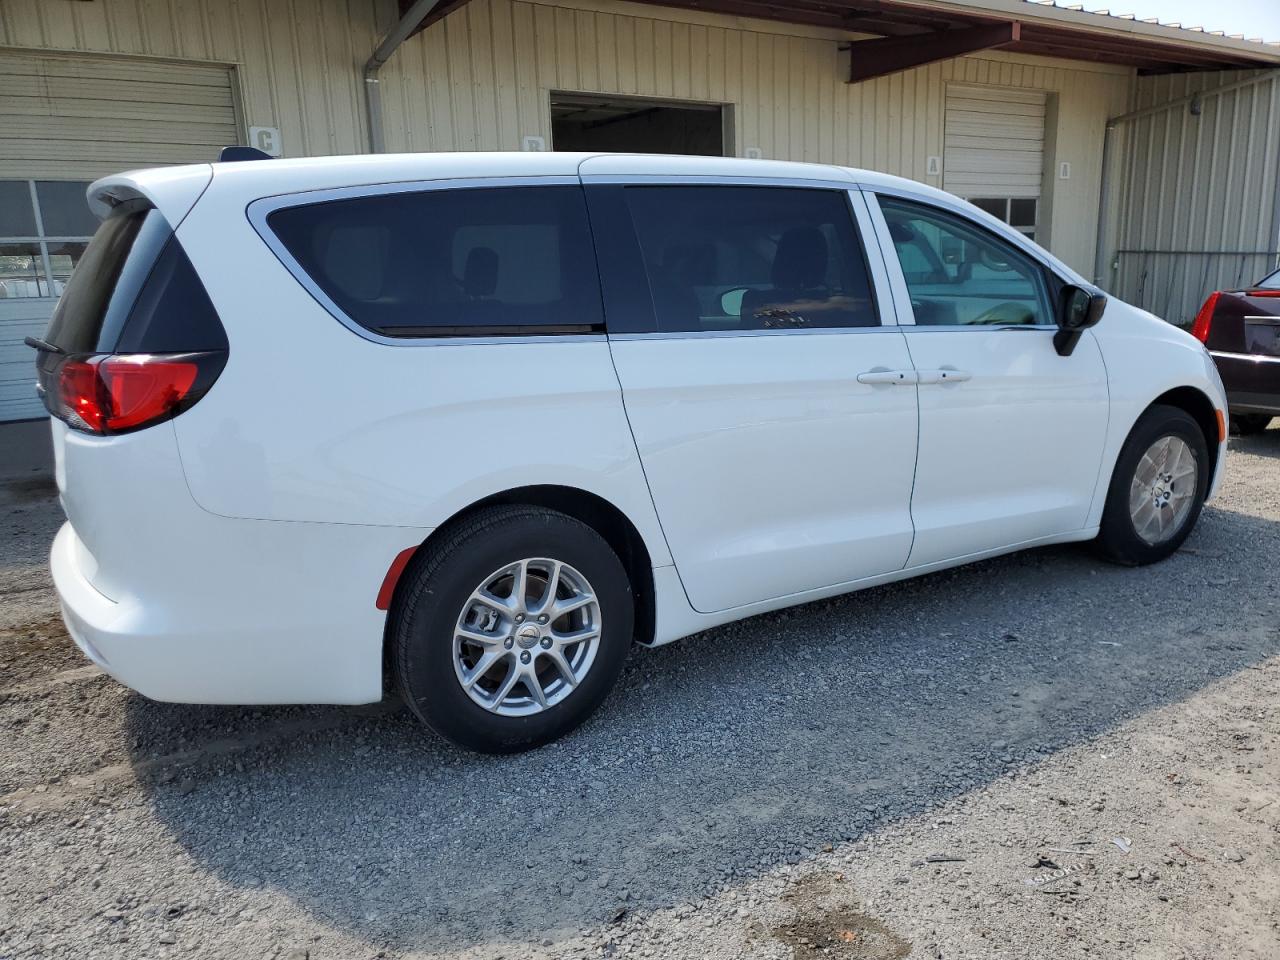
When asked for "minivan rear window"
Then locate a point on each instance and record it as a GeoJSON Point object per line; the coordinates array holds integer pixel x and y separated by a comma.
{"type": "Point", "coordinates": [78, 320]}
{"type": "Point", "coordinates": [452, 262]}
{"type": "Point", "coordinates": [135, 291]}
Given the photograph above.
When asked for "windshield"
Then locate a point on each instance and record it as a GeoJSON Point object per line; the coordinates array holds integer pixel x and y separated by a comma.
{"type": "Point", "coordinates": [1269, 283]}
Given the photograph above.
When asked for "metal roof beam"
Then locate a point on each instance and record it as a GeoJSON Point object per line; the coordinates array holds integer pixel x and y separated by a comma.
{"type": "Point", "coordinates": [869, 59]}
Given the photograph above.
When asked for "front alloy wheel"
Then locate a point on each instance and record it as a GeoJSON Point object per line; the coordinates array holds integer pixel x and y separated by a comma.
{"type": "Point", "coordinates": [1163, 489]}
{"type": "Point", "coordinates": [1157, 488]}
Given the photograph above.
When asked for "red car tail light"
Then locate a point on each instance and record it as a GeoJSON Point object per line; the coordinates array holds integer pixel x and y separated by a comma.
{"type": "Point", "coordinates": [80, 395]}
{"type": "Point", "coordinates": [1204, 319]}
{"type": "Point", "coordinates": [118, 393]}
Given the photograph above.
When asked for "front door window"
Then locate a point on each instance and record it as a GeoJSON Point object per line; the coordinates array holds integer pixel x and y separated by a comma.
{"type": "Point", "coordinates": [959, 274]}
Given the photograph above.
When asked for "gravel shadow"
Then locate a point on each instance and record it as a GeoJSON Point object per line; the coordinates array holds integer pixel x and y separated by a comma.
{"type": "Point", "coordinates": [720, 756]}
{"type": "Point", "coordinates": [1265, 444]}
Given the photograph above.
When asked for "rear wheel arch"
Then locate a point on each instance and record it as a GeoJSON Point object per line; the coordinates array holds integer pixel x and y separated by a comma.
{"type": "Point", "coordinates": [605, 518]}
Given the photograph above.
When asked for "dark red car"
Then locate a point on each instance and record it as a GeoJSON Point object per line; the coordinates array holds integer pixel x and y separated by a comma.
{"type": "Point", "coordinates": [1241, 328]}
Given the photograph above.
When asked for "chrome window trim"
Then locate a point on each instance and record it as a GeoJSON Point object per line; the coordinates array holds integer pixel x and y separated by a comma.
{"type": "Point", "coordinates": [705, 180]}
{"type": "Point", "coordinates": [980, 327]}
{"type": "Point", "coordinates": [1254, 357]}
{"type": "Point", "coordinates": [259, 210]}
{"type": "Point", "coordinates": [729, 334]}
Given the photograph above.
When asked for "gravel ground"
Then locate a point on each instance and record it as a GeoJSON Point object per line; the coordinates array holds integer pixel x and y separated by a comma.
{"type": "Point", "coordinates": [938, 768]}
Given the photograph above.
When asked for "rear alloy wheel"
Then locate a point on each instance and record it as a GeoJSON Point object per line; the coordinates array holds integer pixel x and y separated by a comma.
{"type": "Point", "coordinates": [526, 637]}
{"type": "Point", "coordinates": [1247, 424]}
{"type": "Point", "coordinates": [1157, 490]}
{"type": "Point", "coordinates": [511, 628]}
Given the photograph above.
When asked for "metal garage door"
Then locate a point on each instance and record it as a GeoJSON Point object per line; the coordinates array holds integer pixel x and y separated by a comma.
{"type": "Point", "coordinates": [64, 122]}
{"type": "Point", "coordinates": [994, 151]}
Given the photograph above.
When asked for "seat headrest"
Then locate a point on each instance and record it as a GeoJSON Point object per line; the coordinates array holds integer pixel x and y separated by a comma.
{"type": "Point", "coordinates": [801, 260]}
{"type": "Point", "coordinates": [480, 273]}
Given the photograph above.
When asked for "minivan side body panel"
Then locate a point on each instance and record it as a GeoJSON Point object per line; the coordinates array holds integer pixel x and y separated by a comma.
{"type": "Point", "coordinates": [315, 422]}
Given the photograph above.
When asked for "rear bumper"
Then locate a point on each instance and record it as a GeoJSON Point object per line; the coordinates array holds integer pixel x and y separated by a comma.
{"type": "Point", "coordinates": [220, 643]}
{"type": "Point", "coordinates": [186, 606]}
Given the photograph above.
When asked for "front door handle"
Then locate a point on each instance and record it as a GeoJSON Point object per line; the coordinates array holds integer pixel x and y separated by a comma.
{"type": "Point", "coordinates": [904, 377]}
{"type": "Point", "coordinates": [945, 376]}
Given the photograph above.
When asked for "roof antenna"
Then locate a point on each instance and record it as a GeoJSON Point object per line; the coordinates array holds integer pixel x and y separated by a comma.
{"type": "Point", "coordinates": [234, 154]}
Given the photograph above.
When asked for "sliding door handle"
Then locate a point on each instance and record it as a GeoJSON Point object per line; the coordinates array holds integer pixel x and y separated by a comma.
{"type": "Point", "coordinates": [947, 375]}
{"type": "Point", "coordinates": [904, 377]}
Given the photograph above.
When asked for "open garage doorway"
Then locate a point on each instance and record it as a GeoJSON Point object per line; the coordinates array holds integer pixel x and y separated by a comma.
{"type": "Point", "coordinates": [632, 125]}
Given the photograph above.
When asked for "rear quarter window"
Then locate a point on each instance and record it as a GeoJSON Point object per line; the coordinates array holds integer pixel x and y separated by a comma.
{"type": "Point", "coordinates": [452, 262]}
{"type": "Point", "coordinates": [135, 291]}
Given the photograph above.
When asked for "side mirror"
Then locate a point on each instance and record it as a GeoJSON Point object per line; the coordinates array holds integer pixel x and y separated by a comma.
{"type": "Point", "coordinates": [1080, 309]}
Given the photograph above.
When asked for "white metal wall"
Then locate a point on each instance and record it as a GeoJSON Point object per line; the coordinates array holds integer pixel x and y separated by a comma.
{"type": "Point", "coordinates": [297, 61]}
{"type": "Point", "coordinates": [481, 79]}
{"type": "Point", "coordinates": [1198, 202]}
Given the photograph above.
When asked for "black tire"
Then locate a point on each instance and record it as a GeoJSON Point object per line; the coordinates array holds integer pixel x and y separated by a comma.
{"type": "Point", "coordinates": [1118, 538]}
{"type": "Point", "coordinates": [436, 589]}
{"type": "Point", "coordinates": [1247, 424]}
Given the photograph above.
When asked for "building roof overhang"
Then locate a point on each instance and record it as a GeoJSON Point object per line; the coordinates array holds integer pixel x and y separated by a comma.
{"type": "Point", "coordinates": [1039, 28]}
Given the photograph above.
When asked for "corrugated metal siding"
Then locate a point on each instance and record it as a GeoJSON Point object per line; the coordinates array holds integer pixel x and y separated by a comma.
{"type": "Point", "coordinates": [18, 319]}
{"type": "Point", "coordinates": [297, 61]}
{"type": "Point", "coordinates": [1197, 202]}
{"type": "Point", "coordinates": [481, 78]}
{"type": "Point", "coordinates": [994, 142]}
{"type": "Point", "coordinates": [80, 117]}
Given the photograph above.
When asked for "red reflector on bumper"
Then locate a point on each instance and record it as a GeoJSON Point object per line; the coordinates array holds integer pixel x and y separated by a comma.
{"type": "Point", "coordinates": [393, 577]}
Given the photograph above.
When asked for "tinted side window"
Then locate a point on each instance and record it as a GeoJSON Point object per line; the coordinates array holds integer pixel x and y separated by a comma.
{"type": "Point", "coordinates": [959, 274]}
{"type": "Point", "coordinates": [751, 258]}
{"type": "Point", "coordinates": [497, 261]}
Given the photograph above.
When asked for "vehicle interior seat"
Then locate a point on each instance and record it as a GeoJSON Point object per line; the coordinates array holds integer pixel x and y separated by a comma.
{"type": "Point", "coordinates": [799, 269]}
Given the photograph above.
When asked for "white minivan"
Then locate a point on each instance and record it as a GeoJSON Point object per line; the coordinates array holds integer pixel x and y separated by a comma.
{"type": "Point", "coordinates": [472, 425]}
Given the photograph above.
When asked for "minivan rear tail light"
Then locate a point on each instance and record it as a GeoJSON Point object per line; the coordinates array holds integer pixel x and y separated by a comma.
{"type": "Point", "coordinates": [113, 393]}
{"type": "Point", "coordinates": [1204, 319]}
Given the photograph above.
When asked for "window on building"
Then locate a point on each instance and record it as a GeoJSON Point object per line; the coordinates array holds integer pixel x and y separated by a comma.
{"type": "Point", "coordinates": [1020, 213]}
{"type": "Point", "coordinates": [959, 274]}
{"type": "Point", "coordinates": [590, 122]}
{"type": "Point", "coordinates": [506, 260]}
{"type": "Point", "coordinates": [45, 226]}
{"type": "Point", "coordinates": [751, 258]}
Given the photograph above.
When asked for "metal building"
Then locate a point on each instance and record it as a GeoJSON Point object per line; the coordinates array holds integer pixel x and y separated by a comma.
{"type": "Point", "coordinates": [1143, 154]}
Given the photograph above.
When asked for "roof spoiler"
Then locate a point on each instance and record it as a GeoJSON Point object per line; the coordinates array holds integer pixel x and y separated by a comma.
{"type": "Point", "coordinates": [235, 154]}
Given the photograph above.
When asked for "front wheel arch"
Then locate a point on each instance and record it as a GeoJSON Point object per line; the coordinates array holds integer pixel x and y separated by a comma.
{"type": "Point", "coordinates": [1201, 409]}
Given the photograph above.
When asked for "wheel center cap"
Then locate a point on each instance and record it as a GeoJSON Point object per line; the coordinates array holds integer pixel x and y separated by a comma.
{"type": "Point", "coordinates": [528, 636]}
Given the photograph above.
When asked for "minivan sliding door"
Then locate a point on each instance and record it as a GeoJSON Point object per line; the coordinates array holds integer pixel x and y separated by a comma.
{"type": "Point", "coordinates": [762, 388]}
